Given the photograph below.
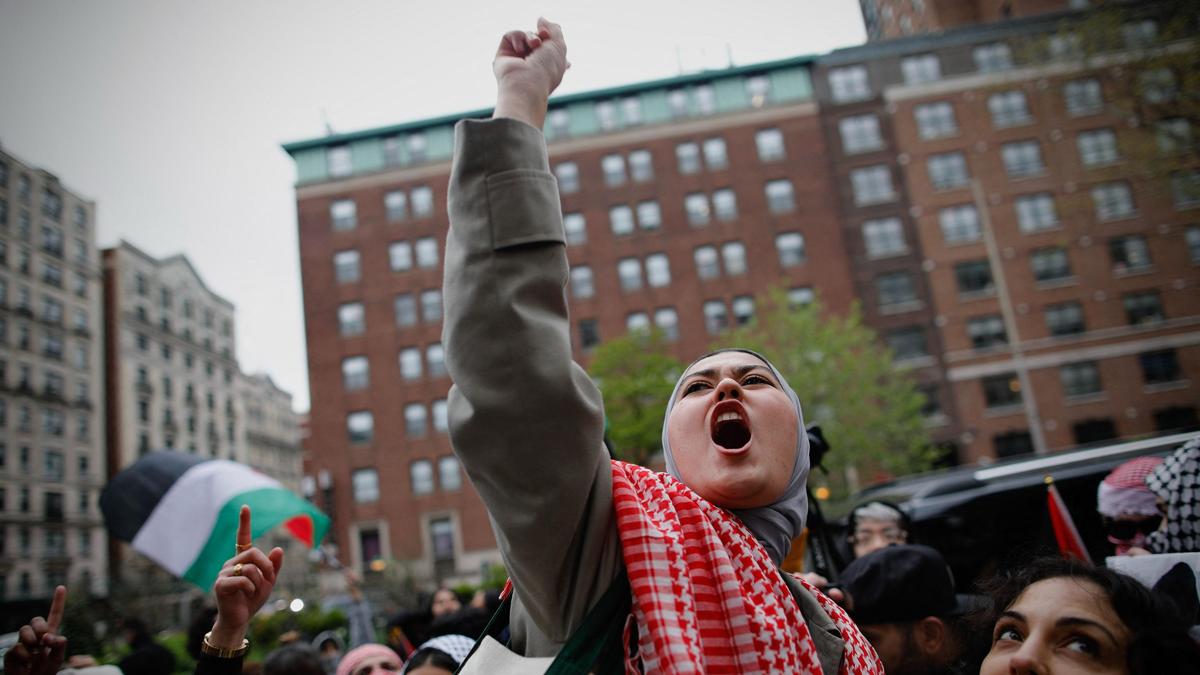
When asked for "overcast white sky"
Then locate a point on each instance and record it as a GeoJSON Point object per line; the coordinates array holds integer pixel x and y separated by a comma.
{"type": "Point", "coordinates": [170, 113]}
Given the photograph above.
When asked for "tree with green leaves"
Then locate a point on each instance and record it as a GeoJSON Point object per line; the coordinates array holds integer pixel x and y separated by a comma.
{"type": "Point", "coordinates": [636, 374]}
{"type": "Point", "coordinates": [869, 410]}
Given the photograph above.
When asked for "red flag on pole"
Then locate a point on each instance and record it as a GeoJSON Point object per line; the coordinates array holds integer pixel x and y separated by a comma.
{"type": "Point", "coordinates": [1070, 544]}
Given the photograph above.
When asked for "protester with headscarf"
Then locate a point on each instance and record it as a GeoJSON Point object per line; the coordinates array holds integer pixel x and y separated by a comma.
{"type": "Point", "coordinates": [1127, 506]}
{"type": "Point", "coordinates": [1176, 483]}
{"type": "Point", "coordinates": [439, 656]}
{"type": "Point", "coordinates": [701, 544]}
{"type": "Point", "coordinates": [370, 659]}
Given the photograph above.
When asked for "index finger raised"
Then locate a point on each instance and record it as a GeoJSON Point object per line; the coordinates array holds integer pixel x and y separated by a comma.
{"type": "Point", "coordinates": [243, 533]}
{"type": "Point", "coordinates": [57, 606]}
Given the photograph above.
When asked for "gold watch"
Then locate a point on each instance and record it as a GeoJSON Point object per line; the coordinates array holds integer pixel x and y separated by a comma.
{"type": "Point", "coordinates": [208, 648]}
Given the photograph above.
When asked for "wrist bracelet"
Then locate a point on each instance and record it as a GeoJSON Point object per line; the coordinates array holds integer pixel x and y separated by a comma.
{"type": "Point", "coordinates": [209, 649]}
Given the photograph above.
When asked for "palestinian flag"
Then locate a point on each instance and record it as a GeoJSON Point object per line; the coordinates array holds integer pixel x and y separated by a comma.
{"type": "Point", "coordinates": [181, 511]}
{"type": "Point", "coordinates": [1070, 544]}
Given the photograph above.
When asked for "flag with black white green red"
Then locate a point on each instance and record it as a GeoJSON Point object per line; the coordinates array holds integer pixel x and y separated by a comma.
{"type": "Point", "coordinates": [181, 511]}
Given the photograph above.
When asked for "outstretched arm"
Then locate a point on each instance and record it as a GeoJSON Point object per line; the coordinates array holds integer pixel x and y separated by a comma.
{"type": "Point", "coordinates": [525, 420]}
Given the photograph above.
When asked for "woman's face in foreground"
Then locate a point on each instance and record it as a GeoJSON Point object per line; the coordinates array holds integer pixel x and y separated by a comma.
{"type": "Point", "coordinates": [733, 431]}
{"type": "Point", "coordinates": [1059, 626]}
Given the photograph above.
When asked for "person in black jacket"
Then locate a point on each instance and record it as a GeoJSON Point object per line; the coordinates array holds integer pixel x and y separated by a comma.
{"type": "Point", "coordinates": [146, 657]}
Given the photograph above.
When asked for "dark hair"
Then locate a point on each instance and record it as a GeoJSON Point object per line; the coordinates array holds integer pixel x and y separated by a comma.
{"type": "Point", "coordinates": [429, 656]}
{"type": "Point", "coordinates": [199, 626]}
{"type": "Point", "coordinates": [293, 659]}
{"type": "Point", "coordinates": [1159, 642]}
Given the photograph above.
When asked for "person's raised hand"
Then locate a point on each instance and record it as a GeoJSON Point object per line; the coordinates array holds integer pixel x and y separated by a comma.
{"type": "Point", "coordinates": [528, 66]}
{"type": "Point", "coordinates": [243, 586]}
{"type": "Point", "coordinates": [39, 649]}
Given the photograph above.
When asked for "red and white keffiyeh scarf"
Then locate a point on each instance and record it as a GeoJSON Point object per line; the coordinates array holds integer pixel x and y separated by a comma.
{"type": "Point", "coordinates": [706, 596]}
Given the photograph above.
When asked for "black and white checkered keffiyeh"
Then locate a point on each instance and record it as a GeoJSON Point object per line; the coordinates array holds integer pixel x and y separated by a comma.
{"type": "Point", "coordinates": [1177, 483]}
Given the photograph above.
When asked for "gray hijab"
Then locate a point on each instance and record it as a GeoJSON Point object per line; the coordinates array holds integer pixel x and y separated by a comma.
{"type": "Point", "coordinates": [776, 524]}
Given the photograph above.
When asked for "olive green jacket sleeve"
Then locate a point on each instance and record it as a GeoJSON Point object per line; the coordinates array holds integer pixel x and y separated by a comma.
{"type": "Point", "coordinates": [525, 420]}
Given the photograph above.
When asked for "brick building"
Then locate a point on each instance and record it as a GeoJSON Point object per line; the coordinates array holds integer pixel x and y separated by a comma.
{"type": "Point", "coordinates": [947, 167]}
{"type": "Point", "coordinates": [887, 19]}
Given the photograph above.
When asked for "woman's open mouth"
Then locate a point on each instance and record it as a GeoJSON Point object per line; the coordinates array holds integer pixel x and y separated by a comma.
{"type": "Point", "coordinates": [730, 427]}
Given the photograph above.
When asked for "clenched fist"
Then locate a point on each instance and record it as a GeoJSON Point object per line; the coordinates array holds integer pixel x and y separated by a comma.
{"type": "Point", "coordinates": [528, 67]}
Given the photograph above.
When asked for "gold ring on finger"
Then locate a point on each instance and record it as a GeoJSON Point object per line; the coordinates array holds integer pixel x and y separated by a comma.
{"type": "Point", "coordinates": [241, 547]}
{"type": "Point", "coordinates": [237, 570]}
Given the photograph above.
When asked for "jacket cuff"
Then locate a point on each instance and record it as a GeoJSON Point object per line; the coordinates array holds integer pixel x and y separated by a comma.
{"type": "Point", "coordinates": [497, 145]}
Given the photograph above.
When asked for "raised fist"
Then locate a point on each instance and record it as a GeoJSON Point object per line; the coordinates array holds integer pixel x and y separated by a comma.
{"type": "Point", "coordinates": [528, 67]}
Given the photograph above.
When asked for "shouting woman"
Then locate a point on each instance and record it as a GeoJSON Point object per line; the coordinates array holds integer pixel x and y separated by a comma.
{"type": "Point", "coordinates": [700, 545]}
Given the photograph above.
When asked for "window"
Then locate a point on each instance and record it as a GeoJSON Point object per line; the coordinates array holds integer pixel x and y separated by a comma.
{"type": "Point", "coordinates": [441, 419]}
{"type": "Point", "coordinates": [567, 174]}
{"type": "Point", "coordinates": [758, 88]}
{"type": "Point", "coordinates": [365, 483]}
{"type": "Point", "coordinates": [360, 426]}
{"type": "Point", "coordinates": [404, 306]}
{"type": "Point", "coordinates": [1143, 307]}
{"type": "Point", "coordinates": [884, 237]}
{"type": "Point", "coordinates": [420, 474]}
{"type": "Point", "coordinates": [668, 322]}
{"type": "Point", "coordinates": [1097, 147]}
{"type": "Point", "coordinates": [629, 271]}
{"type": "Point", "coordinates": [860, 133]}
{"type": "Point", "coordinates": [986, 332]}
{"type": "Point", "coordinates": [1112, 201]}
{"type": "Point", "coordinates": [1050, 264]}
{"type": "Point", "coordinates": [649, 215]}
{"type": "Point", "coordinates": [1129, 253]}
{"type": "Point", "coordinates": [435, 357]}
{"type": "Point", "coordinates": [1174, 418]}
{"type": "Point", "coordinates": [449, 475]}
{"type": "Point", "coordinates": [921, 68]}
{"type": "Point", "coordinates": [715, 155]}
{"type": "Point", "coordinates": [707, 266]}
{"type": "Point", "coordinates": [1185, 188]}
{"type": "Point", "coordinates": [872, 185]}
{"type": "Point", "coordinates": [575, 228]}
{"type": "Point", "coordinates": [558, 122]}
{"type": "Point", "coordinates": [725, 204]}
{"type": "Point", "coordinates": [355, 373]}
{"type": "Point", "coordinates": [1083, 97]}
{"type": "Point", "coordinates": [1001, 391]}
{"type": "Point", "coordinates": [1158, 85]}
{"type": "Point", "coordinates": [1036, 212]}
{"type": "Point", "coordinates": [769, 143]}
{"type": "Point", "coordinates": [641, 166]}
{"type": "Point", "coordinates": [959, 224]}
{"type": "Point", "coordinates": [658, 270]}
{"type": "Point", "coordinates": [631, 109]}
{"type": "Point", "coordinates": [338, 161]}
{"type": "Point", "coordinates": [345, 266]}
{"type": "Point", "coordinates": [734, 256]}
{"type": "Point", "coordinates": [849, 84]}
{"type": "Point", "coordinates": [790, 246]}
{"type": "Point", "coordinates": [422, 201]}
{"type": "Point", "coordinates": [1172, 135]}
{"type": "Point", "coordinates": [780, 196]}
{"type": "Point", "coordinates": [743, 309]}
{"type": "Point", "coordinates": [895, 289]}
{"type": "Point", "coordinates": [1080, 379]}
{"type": "Point", "coordinates": [908, 343]}
{"type": "Point", "coordinates": [620, 218]}
{"type": "Point", "coordinates": [1023, 158]}
{"type": "Point", "coordinates": [414, 420]}
{"type": "Point", "coordinates": [343, 214]}
{"type": "Point", "coordinates": [948, 170]}
{"type": "Point", "coordinates": [400, 256]}
{"type": "Point", "coordinates": [606, 115]}
{"type": "Point", "coordinates": [1159, 367]}
{"type": "Point", "coordinates": [427, 252]}
{"type": "Point", "coordinates": [677, 101]}
{"type": "Point", "coordinates": [581, 282]}
{"type": "Point", "coordinates": [1008, 108]}
{"type": "Point", "coordinates": [1064, 319]}
{"type": "Point", "coordinates": [637, 321]}
{"type": "Point", "coordinates": [395, 203]}
{"type": "Point", "coordinates": [993, 57]}
{"type": "Point", "coordinates": [410, 363]}
{"type": "Point", "coordinates": [431, 305]}
{"type": "Point", "coordinates": [589, 333]}
{"type": "Point", "coordinates": [935, 120]}
{"type": "Point", "coordinates": [417, 146]}
{"type": "Point", "coordinates": [351, 320]}
{"type": "Point", "coordinates": [696, 207]}
{"type": "Point", "coordinates": [1192, 237]}
{"type": "Point", "coordinates": [688, 157]}
{"type": "Point", "coordinates": [716, 318]}
{"type": "Point", "coordinates": [613, 167]}
{"type": "Point", "coordinates": [974, 277]}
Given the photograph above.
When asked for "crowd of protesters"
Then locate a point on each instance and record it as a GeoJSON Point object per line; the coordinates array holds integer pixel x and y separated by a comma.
{"type": "Point", "coordinates": [620, 569]}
